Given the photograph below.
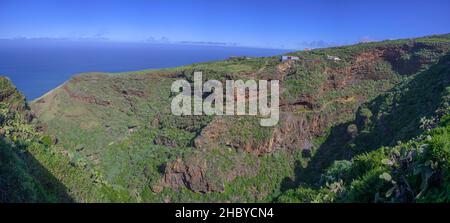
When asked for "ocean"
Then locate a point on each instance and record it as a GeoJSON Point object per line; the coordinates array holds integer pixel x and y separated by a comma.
{"type": "Point", "coordinates": [38, 66]}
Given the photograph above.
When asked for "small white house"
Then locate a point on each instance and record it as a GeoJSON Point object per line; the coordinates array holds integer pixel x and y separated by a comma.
{"type": "Point", "coordinates": [335, 58]}
{"type": "Point", "coordinates": [286, 58]}
{"type": "Point", "coordinates": [240, 58]}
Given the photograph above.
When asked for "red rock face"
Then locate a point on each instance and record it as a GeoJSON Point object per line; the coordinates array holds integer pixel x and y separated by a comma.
{"type": "Point", "coordinates": [89, 99]}
{"type": "Point", "coordinates": [200, 174]}
{"type": "Point", "coordinates": [293, 134]}
{"type": "Point", "coordinates": [211, 135]}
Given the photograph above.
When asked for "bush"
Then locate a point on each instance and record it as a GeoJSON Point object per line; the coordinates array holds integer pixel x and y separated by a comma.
{"type": "Point", "coordinates": [338, 171]}
{"type": "Point", "coordinates": [307, 195]}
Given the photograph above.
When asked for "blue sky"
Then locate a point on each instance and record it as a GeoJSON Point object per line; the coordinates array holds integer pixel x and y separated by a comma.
{"type": "Point", "coordinates": [263, 23]}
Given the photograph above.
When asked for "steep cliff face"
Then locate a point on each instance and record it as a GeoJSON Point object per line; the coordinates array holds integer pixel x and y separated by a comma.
{"type": "Point", "coordinates": [121, 124]}
{"type": "Point", "coordinates": [11, 96]}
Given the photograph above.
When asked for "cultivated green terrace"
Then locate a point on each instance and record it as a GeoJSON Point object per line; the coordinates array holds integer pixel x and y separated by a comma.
{"type": "Point", "coordinates": [361, 123]}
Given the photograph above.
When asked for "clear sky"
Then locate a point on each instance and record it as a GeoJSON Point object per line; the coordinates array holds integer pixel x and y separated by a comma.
{"type": "Point", "coordinates": [260, 23]}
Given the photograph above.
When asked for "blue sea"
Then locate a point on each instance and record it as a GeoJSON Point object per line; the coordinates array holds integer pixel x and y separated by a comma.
{"type": "Point", "coordinates": [38, 66]}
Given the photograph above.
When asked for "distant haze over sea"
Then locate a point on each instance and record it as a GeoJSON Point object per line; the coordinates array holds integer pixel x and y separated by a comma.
{"type": "Point", "coordinates": [38, 66]}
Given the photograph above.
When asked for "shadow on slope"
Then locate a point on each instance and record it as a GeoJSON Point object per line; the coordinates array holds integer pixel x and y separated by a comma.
{"type": "Point", "coordinates": [24, 180]}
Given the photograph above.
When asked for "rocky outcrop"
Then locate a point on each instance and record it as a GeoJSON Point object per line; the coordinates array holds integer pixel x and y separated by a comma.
{"type": "Point", "coordinates": [293, 133]}
{"type": "Point", "coordinates": [88, 99]}
{"type": "Point", "coordinates": [212, 134]}
{"type": "Point", "coordinates": [203, 174]}
{"type": "Point", "coordinates": [191, 174]}
{"type": "Point", "coordinates": [218, 133]}
{"type": "Point", "coordinates": [408, 59]}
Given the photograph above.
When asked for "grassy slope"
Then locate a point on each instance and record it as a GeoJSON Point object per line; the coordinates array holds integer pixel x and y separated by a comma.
{"type": "Point", "coordinates": [107, 124]}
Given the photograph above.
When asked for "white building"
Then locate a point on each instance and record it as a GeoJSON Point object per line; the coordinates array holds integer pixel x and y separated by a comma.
{"type": "Point", "coordinates": [335, 58]}
{"type": "Point", "coordinates": [286, 58]}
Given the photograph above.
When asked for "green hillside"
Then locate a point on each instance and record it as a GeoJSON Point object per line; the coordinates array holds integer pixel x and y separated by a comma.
{"type": "Point", "coordinates": [370, 126]}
